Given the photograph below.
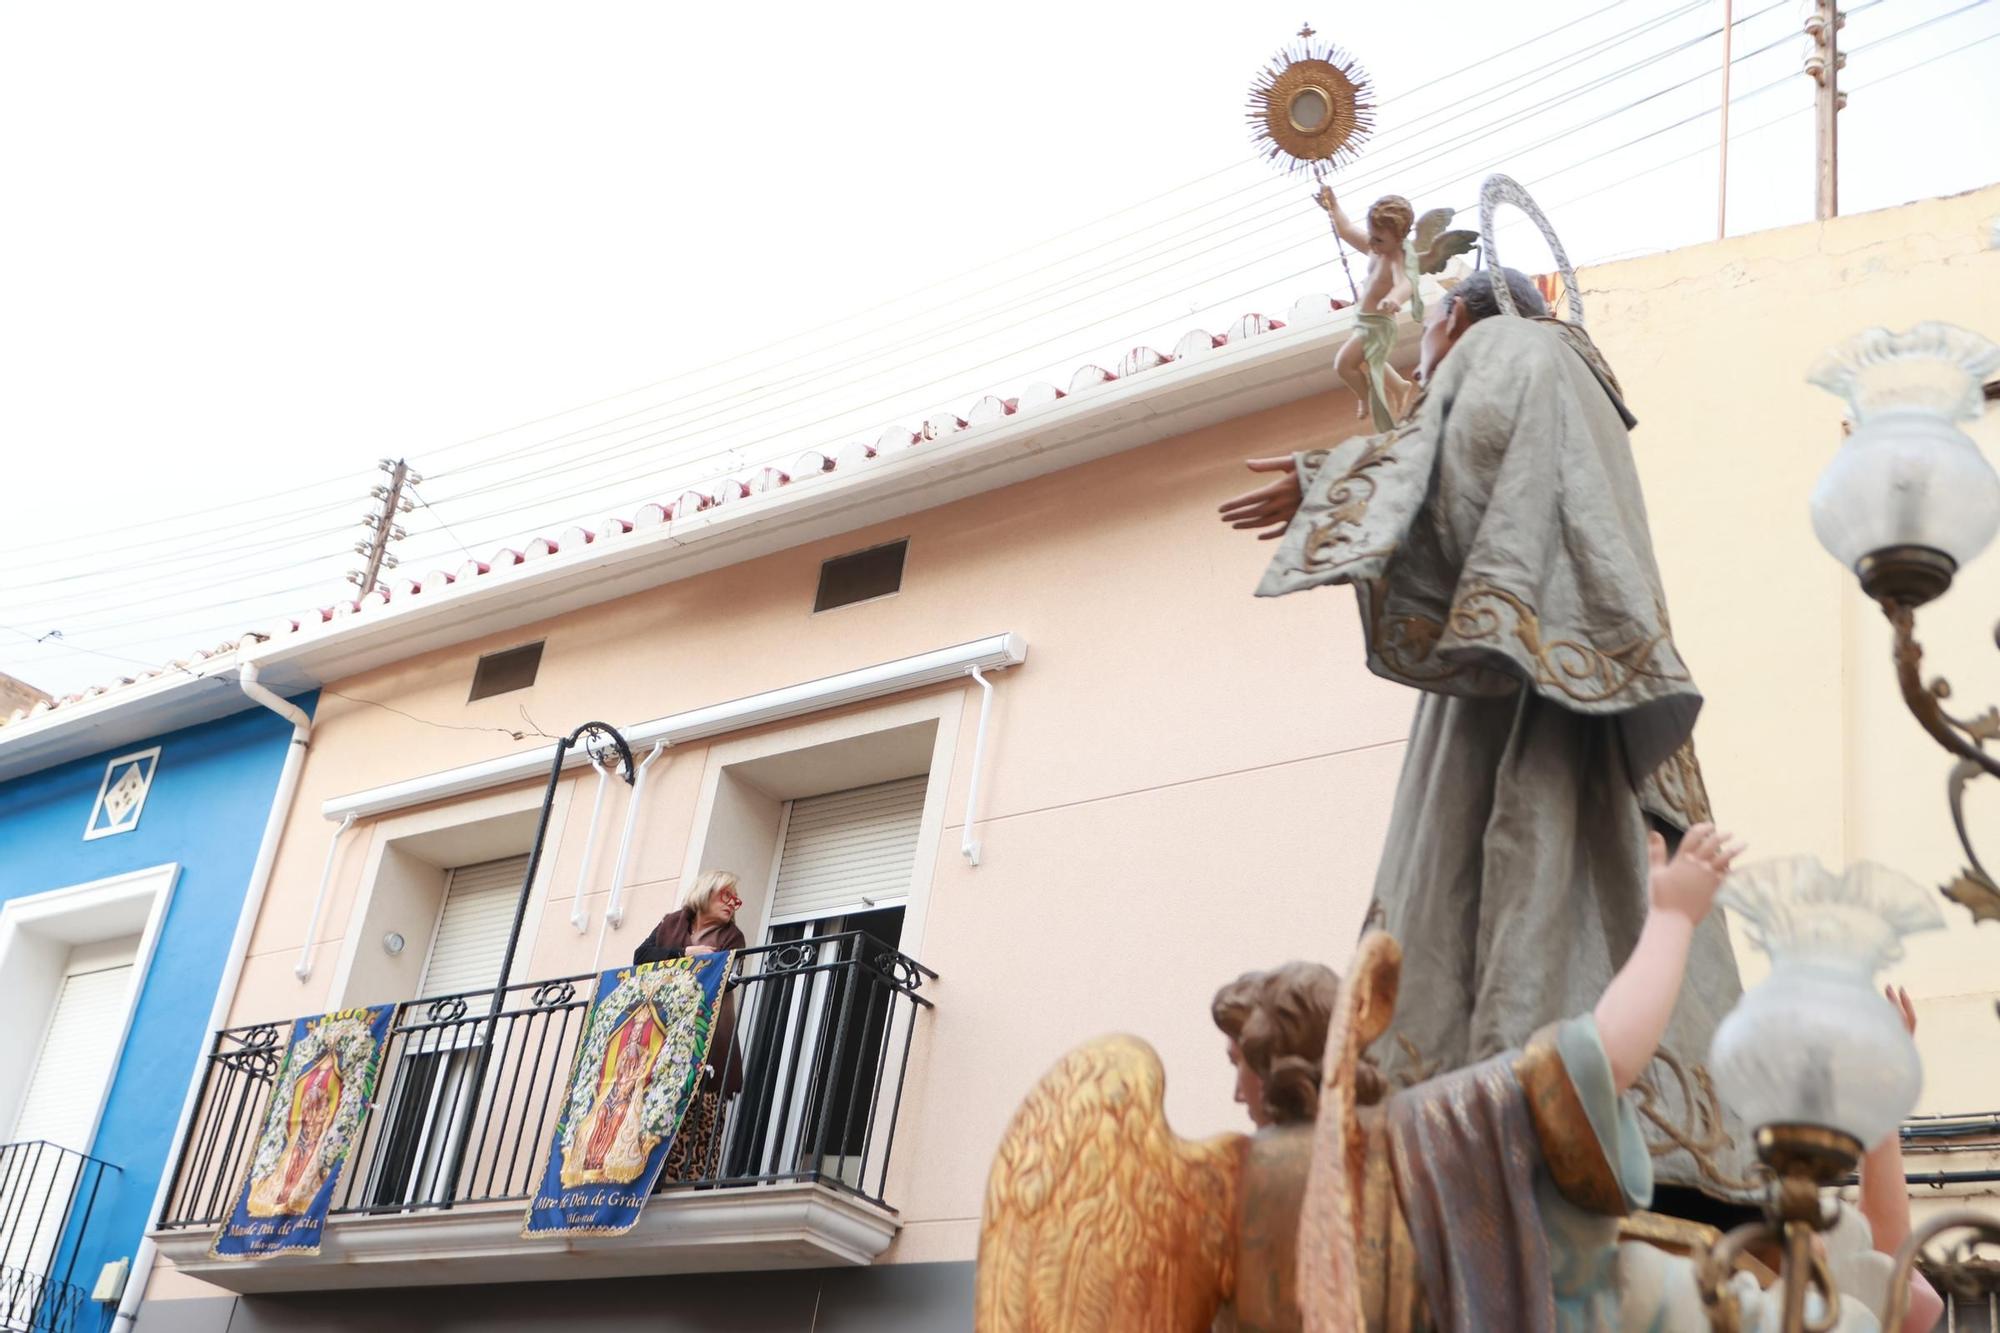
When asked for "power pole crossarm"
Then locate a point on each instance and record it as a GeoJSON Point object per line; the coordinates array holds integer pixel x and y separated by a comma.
{"type": "Point", "coordinates": [1823, 64]}
{"type": "Point", "coordinates": [382, 526]}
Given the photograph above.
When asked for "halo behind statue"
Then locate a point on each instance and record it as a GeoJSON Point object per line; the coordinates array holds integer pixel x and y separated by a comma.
{"type": "Point", "coordinates": [1312, 106]}
{"type": "Point", "coordinates": [1497, 190]}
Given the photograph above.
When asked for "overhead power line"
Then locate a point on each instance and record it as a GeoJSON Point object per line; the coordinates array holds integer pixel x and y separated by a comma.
{"type": "Point", "coordinates": [611, 483]}
{"type": "Point", "coordinates": [279, 521]}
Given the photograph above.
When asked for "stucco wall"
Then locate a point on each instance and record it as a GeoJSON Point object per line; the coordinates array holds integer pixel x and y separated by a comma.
{"type": "Point", "coordinates": [1182, 782]}
{"type": "Point", "coordinates": [1805, 740]}
{"type": "Point", "coordinates": [206, 811]}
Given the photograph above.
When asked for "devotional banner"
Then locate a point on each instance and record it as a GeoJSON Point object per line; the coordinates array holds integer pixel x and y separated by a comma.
{"type": "Point", "coordinates": [317, 1105]}
{"type": "Point", "coordinates": [636, 1070]}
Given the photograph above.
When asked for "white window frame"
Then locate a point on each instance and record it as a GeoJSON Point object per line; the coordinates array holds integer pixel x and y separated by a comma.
{"type": "Point", "coordinates": [37, 932]}
{"type": "Point", "coordinates": [392, 829]}
{"type": "Point", "coordinates": [944, 705]}
{"type": "Point", "coordinates": [91, 831]}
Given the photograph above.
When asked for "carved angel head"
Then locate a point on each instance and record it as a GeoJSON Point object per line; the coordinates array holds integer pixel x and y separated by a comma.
{"type": "Point", "coordinates": [1276, 1022]}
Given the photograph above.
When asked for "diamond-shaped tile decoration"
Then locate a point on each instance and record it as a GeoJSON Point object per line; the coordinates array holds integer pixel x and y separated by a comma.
{"type": "Point", "coordinates": [122, 794]}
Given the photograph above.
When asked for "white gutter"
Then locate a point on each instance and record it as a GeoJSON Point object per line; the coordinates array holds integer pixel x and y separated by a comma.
{"type": "Point", "coordinates": [579, 915]}
{"type": "Point", "coordinates": [614, 907]}
{"type": "Point", "coordinates": [303, 968]}
{"type": "Point", "coordinates": [813, 696]}
{"type": "Point", "coordinates": [232, 971]}
{"type": "Point", "coordinates": [971, 844]}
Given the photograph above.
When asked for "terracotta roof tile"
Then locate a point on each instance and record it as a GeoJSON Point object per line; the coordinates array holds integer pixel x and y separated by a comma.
{"type": "Point", "coordinates": [935, 426]}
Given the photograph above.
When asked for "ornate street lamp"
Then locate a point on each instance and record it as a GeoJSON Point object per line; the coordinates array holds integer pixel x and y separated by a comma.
{"type": "Point", "coordinates": [1811, 1057]}
{"type": "Point", "coordinates": [1905, 504]}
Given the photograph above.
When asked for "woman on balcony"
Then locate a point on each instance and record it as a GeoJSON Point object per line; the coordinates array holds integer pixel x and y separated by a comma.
{"type": "Point", "coordinates": [705, 923]}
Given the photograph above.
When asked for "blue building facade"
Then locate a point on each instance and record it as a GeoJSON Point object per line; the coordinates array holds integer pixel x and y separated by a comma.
{"type": "Point", "coordinates": [122, 878]}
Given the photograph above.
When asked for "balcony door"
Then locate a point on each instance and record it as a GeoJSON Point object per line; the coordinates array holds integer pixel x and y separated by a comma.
{"type": "Point", "coordinates": [431, 1105]}
{"type": "Point", "coordinates": [39, 1180]}
{"type": "Point", "coordinates": [813, 1045]}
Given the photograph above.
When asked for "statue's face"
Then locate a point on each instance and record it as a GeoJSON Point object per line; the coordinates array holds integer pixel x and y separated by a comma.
{"type": "Point", "coordinates": [1249, 1088]}
{"type": "Point", "coordinates": [1443, 323]}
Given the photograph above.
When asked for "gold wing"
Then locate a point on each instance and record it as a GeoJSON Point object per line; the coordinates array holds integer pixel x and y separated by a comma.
{"type": "Point", "coordinates": [1098, 1217]}
{"type": "Point", "coordinates": [1331, 1283]}
{"type": "Point", "coordinates": [1435, 247]}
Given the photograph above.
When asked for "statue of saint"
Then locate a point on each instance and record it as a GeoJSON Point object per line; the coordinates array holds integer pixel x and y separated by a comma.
{"type": "Point", "coordinates": [1496, 542]}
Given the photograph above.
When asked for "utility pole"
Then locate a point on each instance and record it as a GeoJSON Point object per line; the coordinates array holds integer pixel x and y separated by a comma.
{"type": "Point", "coordinates": [1722, 172]}
{"type": "Point", "coordinates": [382, 525]}
{"type": "Point", "coordinates": [1824, 64]}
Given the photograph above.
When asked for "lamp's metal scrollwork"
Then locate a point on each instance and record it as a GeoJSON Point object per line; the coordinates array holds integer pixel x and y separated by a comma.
{"type": "Point", "coordinates": [1906, 502]}
{"type": "Point", "coordinates": [1953, 1270]}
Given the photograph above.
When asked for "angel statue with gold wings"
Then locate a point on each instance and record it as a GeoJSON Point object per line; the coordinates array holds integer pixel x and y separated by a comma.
{"type": "Point", "coordinates": [1509, 1194]}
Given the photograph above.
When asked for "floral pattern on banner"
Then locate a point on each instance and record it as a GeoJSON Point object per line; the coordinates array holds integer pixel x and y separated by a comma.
{"type": "Point", "coordinates": [637, 1069]}
{"type": "Point", "coordinates": [318, 1104]}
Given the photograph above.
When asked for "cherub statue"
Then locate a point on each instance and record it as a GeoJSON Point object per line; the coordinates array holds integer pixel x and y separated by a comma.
{"type": "Point", "coordinates": [1396, 260]}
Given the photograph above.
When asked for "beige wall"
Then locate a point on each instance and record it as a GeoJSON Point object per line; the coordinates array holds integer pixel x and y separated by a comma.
{"type": "Point", "coordinates": [1805, 740]}
{"type": "Point", "coordinates": [1184, 781]}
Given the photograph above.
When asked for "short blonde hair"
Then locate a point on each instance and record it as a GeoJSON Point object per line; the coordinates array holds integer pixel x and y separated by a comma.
{"type": "Point", "coordinates": [706, 886]}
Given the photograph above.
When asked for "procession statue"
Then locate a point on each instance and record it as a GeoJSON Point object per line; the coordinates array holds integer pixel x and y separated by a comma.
{"type": "Point", "coordinates": [1476, 1130]}
{"type": "Point", "coordinates": [1497, 545]}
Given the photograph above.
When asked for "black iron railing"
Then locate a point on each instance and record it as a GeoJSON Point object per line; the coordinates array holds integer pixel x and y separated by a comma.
{"type": "Point", "coordinates": [48, 1195]}
{"type": "Point", "coordinates": [820, 1041]}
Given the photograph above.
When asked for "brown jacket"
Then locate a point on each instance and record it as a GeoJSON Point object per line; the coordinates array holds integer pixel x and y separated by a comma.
{"type": "Point", "coordinates": [670, 939]}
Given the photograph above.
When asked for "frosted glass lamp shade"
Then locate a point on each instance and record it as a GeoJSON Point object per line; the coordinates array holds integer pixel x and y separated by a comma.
{"type": "Point", "coordinates": [1907, 477]}
{"type": "Point", "coordinates": [1815, 1043]}
{"type": "Point", "coordinates": [1810, 1048]}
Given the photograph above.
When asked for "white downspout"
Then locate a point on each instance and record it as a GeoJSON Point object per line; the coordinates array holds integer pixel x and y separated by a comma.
{"type": "Point", "coordinates": [971, 846]}
{"type": "Point", "coordinates": [303, 968]}
{"type": "Point", "coordinates": [232, 971]}
{"type": "Point", "coordinates": [579, 915]}
{"type": "Point", "coordinates": [614, 906]}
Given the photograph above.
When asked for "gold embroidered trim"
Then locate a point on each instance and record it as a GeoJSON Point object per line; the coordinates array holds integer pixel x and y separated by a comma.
{"type": "Point", "coordinates": [1570, 1149]}
{"type": "Point", "coordinates": [1582, 671]}
{"type": "Point", "coordinates": [1700, 1133]}
{"type": "Point", "coordinates": [1680, 787]}
{"type": "Point", "coordinates": [1348, 500]}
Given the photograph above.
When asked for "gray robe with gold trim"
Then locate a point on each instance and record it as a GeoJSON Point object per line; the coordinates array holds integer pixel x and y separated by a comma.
{"type": "Point", "coordinates": [1498, 548]}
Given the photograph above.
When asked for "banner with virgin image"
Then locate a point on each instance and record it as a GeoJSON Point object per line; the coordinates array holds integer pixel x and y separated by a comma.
{"type": "Point", "coordinates": [637, 1069]}
{"type": "Point", "coordinates": [318, 1101]}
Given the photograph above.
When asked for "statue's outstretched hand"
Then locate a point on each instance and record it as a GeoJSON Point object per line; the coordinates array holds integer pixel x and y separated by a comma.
{"type": "Point", "coordinates": [1271, 506]}
{"type": "Point", "coordinates": [1688, 883]}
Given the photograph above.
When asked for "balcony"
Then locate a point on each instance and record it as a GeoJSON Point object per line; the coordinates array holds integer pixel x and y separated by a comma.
{"type": "Point", "coordinates": [443, 1166]}
{"type": "Point", "coordinates": [48, 1196]}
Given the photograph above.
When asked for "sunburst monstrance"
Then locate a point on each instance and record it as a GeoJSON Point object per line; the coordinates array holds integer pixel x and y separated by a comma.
{"type": "Point", "coordinates": [1312, 104]}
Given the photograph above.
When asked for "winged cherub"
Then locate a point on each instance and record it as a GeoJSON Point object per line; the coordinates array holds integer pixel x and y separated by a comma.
{"type": "Point", "coordinates": [1395, 260]}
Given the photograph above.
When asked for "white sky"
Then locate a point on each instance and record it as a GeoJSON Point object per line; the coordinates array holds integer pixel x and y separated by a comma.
{"type": "Point", "coordinates": [248, 250]}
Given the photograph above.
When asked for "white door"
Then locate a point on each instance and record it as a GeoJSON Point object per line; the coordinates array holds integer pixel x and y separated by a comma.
{"type": "Point", "coordinates": [59, 1108]}
{"type": "Point", "coordinates": [846, 856]}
